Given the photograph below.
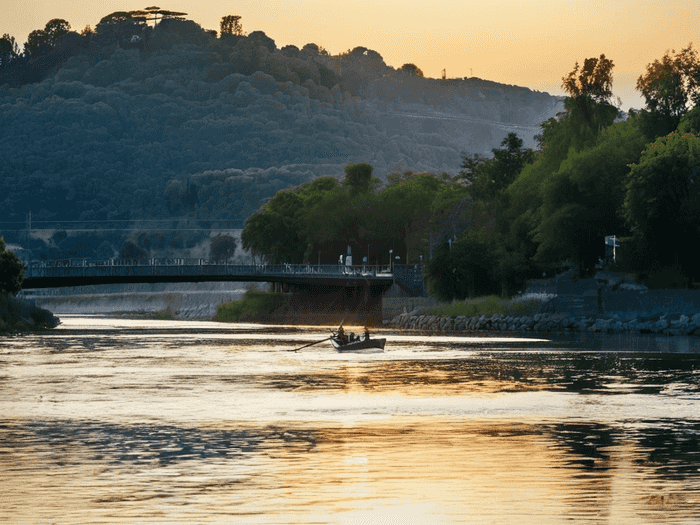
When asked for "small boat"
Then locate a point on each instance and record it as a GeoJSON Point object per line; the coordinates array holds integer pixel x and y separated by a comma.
{"type": "Point", "coordinates": [358, 345]}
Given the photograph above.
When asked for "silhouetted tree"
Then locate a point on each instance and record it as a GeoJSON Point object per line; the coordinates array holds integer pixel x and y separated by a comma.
{"type": "Point", "coordinates": [590, 88]}
{"type": "Point", "coordinates": [231, 25]}
{"type": "Point", "coordinates": [411, 69]}
{"type": "Point", "coordinates": [41, 41]}
{"type": "Point", "coordinates": [155, 13]}
{"type": "Point", "coordinates": [222, 247]}
{"type": "Point", "coordinates": [132, 251]}
{"type": "Point", "coordinates": [669, 86]}
{"type": "Point", "coordinates": [9, 50]}
{"type": "Point", "coordinates": [11, 271]}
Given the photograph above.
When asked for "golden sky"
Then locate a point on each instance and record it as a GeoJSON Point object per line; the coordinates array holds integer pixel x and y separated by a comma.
{"type": "Point", "coordinates": [531, 43]}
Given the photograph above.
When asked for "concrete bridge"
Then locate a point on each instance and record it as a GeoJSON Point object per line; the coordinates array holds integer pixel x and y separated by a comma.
{"type": "Point", "coordinates": [354, 290]}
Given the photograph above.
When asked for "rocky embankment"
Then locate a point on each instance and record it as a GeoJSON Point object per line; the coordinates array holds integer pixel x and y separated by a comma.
{"type": "Point", "coordinates": [663, 324]}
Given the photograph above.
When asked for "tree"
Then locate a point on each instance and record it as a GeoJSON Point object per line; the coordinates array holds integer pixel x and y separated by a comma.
{"type": "Point", "coordinates": [582, 200]}
{"type": "Point", "coordinates": [11, 271]}
{"type": "Point", "coordinates": [662, 203]}
{"type": "Point", "coordinates": [669, 86]}
{"type": "Point", "coordinates": [488, 177]}
{"type": "Point", "coordinates": [222, 247]}
{"type": "Point", "coordinates": [590, 90]}
{"type": "Point", "coordinates": [411, 69]}
{"type": "Point", "coordinates": [132, 251]}
{"type": "Point", "coordinates": [152, 13]}
{"type": "Point", "coordinates": [231, 25]}
{"type": "Point", "coordinates": [41, 41]}
{"type": "Point", "coordinates": [358, 178]}
{"type": "Point", "coordinates": [9, 50]}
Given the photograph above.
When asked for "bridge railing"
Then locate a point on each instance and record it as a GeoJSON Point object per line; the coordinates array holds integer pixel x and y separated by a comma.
{"type": "Point", "coordinates": [175, 267]}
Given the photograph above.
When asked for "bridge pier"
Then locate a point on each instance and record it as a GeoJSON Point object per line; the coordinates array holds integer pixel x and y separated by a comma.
{"type": "Point", "coordinates": [359, 304]}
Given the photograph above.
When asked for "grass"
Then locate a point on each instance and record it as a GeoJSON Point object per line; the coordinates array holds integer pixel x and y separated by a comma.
{"type": "Point", "coordinates": [490, 305]}
{"type": "Point", "coordinates": [166, 314]}
{"type": "Point", "coordinates": [253, 305]}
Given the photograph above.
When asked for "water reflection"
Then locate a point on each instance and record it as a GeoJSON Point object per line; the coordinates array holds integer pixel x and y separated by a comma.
{"type": "Point", "coordinates": [156, 422]}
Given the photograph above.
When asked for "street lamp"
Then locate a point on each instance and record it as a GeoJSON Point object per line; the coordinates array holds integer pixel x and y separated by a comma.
{"type": "Point", "coordinates": [391, 263]}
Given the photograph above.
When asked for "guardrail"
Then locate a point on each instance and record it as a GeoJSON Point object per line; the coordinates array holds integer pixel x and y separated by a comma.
{"type": "Point", "coordinates": [193, 267]}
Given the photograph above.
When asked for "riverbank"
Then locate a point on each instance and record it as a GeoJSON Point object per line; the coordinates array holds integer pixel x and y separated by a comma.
{"type": "Point", "coordinates": [18, 315]}
{"type": "Point", "coordinates": [662, 324]}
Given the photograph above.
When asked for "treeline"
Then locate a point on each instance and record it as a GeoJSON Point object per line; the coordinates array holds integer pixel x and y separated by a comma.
{"type": "Point", "coordinates": [520, 213]}
{"type": "Point", "coordinates": [130, 121]}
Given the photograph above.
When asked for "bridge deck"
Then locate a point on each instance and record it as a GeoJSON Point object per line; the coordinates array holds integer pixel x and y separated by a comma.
{"type": "Point", "coordinates": [80, 272]}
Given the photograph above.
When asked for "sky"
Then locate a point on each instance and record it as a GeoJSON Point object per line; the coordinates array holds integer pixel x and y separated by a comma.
{"type": "Point", "coordinates": [530, 43]}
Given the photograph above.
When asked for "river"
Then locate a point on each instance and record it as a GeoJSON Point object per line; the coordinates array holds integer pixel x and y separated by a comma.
{"type": "Point", "coordinates": [142, 421]}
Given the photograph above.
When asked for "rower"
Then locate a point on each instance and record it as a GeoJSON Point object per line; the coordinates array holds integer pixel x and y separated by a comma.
{"type": "Point", "coordinates": [366, 334]}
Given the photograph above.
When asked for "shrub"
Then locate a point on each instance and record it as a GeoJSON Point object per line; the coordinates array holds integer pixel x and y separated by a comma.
{"type": "Point", "coordinates": [253, 305]}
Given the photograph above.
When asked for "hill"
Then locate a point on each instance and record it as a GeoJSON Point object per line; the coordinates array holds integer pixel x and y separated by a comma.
{"type": "Point", "coordinates": [179, 123]}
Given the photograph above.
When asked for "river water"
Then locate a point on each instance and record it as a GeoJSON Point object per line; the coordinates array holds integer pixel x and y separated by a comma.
{"type": "Point", "coordinates": [142, 421]}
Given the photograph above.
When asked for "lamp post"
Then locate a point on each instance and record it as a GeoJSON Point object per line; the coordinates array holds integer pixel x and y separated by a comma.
{"type": "Point", "coordinates": [391, 262]}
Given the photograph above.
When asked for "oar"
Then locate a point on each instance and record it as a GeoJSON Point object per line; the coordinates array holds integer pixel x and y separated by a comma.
{"type": "Point", "coordinates": [310, 344]}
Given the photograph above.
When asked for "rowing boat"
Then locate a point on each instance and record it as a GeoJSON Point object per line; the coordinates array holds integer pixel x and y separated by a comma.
{"type": "Point", "coordinates": [358, 345]}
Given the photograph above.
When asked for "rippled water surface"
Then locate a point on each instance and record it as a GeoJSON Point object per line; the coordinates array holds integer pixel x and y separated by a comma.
{"type": "Point", "coordinates": [132, 421]}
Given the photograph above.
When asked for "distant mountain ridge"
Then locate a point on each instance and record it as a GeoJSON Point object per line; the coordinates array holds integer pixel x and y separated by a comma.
{"type": "Point", "coordinates": [184, 123]}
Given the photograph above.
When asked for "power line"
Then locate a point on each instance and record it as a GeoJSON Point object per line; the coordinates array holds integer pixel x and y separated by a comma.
{"type": "Point", "coordinates": [132, 229]}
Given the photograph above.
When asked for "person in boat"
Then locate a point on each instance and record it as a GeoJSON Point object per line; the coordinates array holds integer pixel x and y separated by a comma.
{"type": "Point", "coordinates": [366, 334]}
{"type": "Point", "coordinates": [341, 336]}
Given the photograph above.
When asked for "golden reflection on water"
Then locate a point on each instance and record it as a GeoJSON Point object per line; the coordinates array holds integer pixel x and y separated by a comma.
{"type": "Point", "coordinates": [154, 422]}
{"type": "Point", "coordinates": [404, 470]}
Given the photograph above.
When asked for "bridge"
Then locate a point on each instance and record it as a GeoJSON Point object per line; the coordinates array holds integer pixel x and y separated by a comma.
{"type": "Point", "coordinates": [358, 288]}
{"type": "Point", "coordinates": [81, 272]}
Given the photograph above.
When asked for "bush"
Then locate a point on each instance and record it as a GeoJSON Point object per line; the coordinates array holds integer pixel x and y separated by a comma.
{"type": "Point", "coordinates": [489, 305]}
{"type": "Point", "coordinates": [14, 311]}
{"type": "Point", "coordinates": [253, 305]}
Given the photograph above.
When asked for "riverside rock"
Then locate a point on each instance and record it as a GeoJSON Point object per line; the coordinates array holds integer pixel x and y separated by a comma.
{"type": "Point", "coordinates": [668, 324]}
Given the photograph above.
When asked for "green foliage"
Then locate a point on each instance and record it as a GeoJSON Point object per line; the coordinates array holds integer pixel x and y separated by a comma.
{"type": "Point", "coordinates": [468, 267]}
{"type": "Point", "coordinates": [222, 247]}
{"type": "Point", "coordinates": [662, 203]}
{"type": "Point", "coordinates": [358, 178]}
{"type": "Point", "coordinates": [670, 83]}
{"type": "Point", "coordinates": [488, 305]}
{"type": "Point", "coordinates": [316, 221]}
{"type": "Point", "coordinates": [253, 305]}
{"type": "Point", "coordinates": [11, 271]}
{"type": "Point", "coordinates": [19, 315]}
{"type": "Point", "coordinates": [488, 177]}
{"type": "Point", "coordinates": [581, 201]}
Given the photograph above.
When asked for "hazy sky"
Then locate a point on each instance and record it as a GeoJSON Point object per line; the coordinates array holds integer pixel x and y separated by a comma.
{"type": "Point", "coordinates": [531, 43]}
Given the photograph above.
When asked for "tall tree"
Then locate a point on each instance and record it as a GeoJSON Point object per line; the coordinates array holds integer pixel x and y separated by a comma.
{"type": "Point", "coordinates": [231, 25]}
{"type": "Point", "coordinates": [662, 203]}
{"type": "Point", "coordinates": [358, 178]}
{"type": "Point", "coordinates": [590, 90]}
{"type": "Point", "coordinates": [11, 271]}
{"type": "Point", "coordinates": [9, 50]}
{"type": "Point", "coordinates": [488, 177]}
{"type": "Point", "coordinates": [41, 41]}
{"type": "Point", "coordinates": [669, 86]}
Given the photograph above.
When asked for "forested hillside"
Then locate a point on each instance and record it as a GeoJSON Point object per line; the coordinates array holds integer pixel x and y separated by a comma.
{"type": "Point", "coordinates": [520, 213]}
{"type": "Point", "coordinates": [133, 122]}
